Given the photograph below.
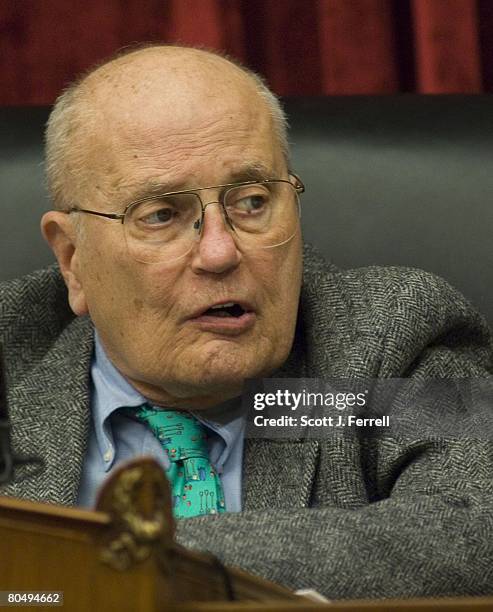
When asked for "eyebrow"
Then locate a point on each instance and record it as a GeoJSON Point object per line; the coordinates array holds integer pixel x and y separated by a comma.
{"type": "Point", "coordinates": [152, 187]}
{"type": "Point", "coordinates": [252, 172]}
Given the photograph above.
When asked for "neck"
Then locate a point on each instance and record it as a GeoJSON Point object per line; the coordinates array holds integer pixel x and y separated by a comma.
{"type": "Point", "coordinates": [187, 399]}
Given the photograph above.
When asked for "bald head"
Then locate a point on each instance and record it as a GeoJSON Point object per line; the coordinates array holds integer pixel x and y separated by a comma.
{"type": "Point", "coordinates": [156, 88]}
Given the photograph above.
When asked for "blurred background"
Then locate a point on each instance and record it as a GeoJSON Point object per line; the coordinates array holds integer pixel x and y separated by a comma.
{"type": "Point", "coordinates": [389, 103]}
{"type": "Point", "coordinates": [302, 47]}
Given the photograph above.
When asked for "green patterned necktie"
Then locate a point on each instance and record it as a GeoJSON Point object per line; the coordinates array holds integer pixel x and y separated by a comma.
{"type": "Point", "coordinates": [196, 488]}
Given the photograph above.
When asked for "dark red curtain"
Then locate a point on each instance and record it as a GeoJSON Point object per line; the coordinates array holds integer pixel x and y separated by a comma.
{"type": "Point", "coordinates": [302, 47]}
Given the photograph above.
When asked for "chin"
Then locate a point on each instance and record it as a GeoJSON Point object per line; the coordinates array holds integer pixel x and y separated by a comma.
{"type": "Point", "coordinates": [217, 378]}
{"type": "Point", "coordinates": [228, 370]}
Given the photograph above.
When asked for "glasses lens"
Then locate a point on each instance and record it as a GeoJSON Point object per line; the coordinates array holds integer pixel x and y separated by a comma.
{"type": "Point", "coordinates": [263, 215]}
{"type": "Point", "coordinates": [165, 228]}
{"type": "Point", "coordinates": [162, 228]}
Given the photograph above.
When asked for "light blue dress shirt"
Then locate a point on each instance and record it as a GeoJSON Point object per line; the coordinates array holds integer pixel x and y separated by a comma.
{"type": "Point", "coordinates": [115, 437]}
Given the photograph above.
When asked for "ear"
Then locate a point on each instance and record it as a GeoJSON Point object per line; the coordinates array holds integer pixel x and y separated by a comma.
{"type": "Point", "coordinates": [60, 233]}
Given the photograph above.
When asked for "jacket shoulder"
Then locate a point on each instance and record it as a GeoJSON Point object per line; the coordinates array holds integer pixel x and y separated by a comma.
{"type": "Point", "coordinates": [409, 297]}
{"type": "Point", "coordinates": [399, 312]}
{"type": "Point", "coordinates": [33, 312]}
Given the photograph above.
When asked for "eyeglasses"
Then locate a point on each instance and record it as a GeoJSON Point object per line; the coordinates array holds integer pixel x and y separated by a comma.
{"type": "Point", "coordinates": [164, 227]}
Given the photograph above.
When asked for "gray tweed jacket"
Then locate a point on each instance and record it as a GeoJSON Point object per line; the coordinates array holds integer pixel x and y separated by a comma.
{"type": "Point", "coordinates": [349, 518]}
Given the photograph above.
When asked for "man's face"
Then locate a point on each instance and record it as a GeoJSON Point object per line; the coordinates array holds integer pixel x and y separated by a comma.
{"type": "Point", "coordinates": [206, 129]}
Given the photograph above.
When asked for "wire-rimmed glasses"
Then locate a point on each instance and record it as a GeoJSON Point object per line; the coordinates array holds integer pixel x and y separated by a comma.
{"type": "Point", "coordinates": [164, 227]}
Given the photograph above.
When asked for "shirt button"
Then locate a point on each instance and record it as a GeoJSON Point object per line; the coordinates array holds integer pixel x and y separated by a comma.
{"type": "Point", "coordinates": [108, 455]}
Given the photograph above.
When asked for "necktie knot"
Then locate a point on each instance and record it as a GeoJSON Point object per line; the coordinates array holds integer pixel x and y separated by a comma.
{"type": "Point", "coordinates": [180, 434]}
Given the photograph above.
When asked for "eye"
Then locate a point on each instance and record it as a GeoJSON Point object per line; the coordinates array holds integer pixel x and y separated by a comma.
{"type": "Point", "coordinates": [164, 212]}
{"type": "Point", "coordinates": [248, 204]}
{"type": "Point", "coordinates": [160, 216]}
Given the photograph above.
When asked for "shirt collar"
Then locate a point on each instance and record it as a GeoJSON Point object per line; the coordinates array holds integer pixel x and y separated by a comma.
{"type": "Point", "coordinates": [112, 391]}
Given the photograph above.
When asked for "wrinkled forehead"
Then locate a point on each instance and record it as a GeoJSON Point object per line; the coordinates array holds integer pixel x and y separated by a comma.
{"type": "Point", "coordinates": [192, 102]}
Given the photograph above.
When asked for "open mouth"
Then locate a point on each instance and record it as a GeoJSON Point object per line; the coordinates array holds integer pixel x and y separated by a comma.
{"type": "Point", "coordinates": [229, 318]}
{"type": "Point", "coordinates": [230, 309]}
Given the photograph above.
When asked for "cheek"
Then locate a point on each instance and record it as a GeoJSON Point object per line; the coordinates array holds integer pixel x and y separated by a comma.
{"type": "Point", "coordinates": [279, 273]}
{"type": "Point", "coordinates": [131, 296]}
{"type": "Point", "coordinates": [282, 271]}
{"type": "Point", "coordinates": [290, 275]}
{"type": "Point", "coordinates": [113, 284]}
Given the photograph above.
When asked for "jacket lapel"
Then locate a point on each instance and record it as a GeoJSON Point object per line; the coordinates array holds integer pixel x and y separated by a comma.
{"type": "Point", "coordinates": [50, 418]}
{"type": "Point", "coordinates": [280, 473]}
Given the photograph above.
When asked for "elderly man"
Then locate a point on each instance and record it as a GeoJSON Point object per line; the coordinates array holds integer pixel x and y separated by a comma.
{"type": "Point", "coordinates": [180, 274]}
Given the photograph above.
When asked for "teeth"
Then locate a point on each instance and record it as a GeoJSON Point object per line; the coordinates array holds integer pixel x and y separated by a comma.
{"type": "Point", "coordinates": [227, 305]}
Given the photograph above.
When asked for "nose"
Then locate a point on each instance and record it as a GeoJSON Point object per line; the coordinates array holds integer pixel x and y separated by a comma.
{"type": "Point", "coordinates": [217, 251]}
